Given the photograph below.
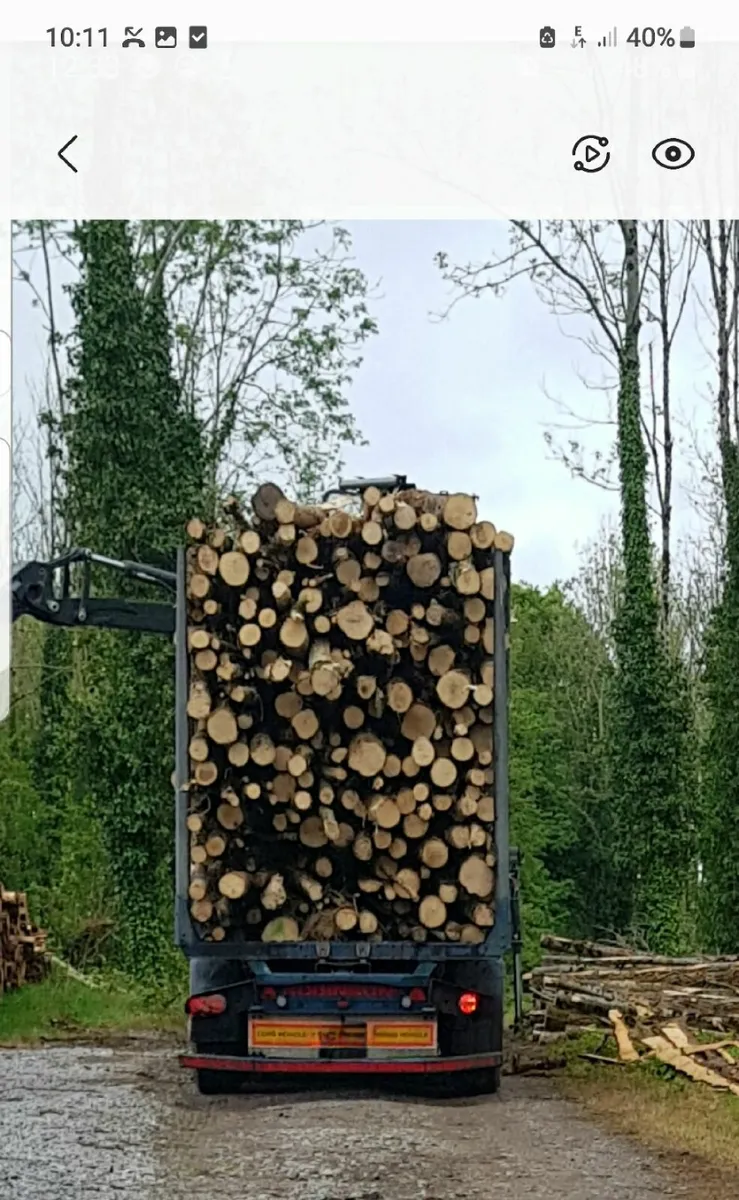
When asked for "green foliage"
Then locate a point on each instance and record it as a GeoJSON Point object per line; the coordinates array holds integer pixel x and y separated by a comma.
{"type": "Point", "coordinates": [560, 801]}
{"type": "Point", "coordinates": [720, 824]}
{"type": "Point", "coordinates": [133, 454]}
{"type": "Point", "coordinates": [63, 1008]}
{"type": "Point", "coordinates": [268, 318]}
{"type": "Point", "coordinates": [22, 852]}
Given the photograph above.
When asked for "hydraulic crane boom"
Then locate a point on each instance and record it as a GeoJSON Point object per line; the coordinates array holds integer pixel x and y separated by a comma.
{"type": "Point", "coordinates": [43, 591]}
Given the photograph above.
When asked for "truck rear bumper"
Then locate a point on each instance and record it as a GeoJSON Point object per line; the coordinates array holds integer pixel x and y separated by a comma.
{"type": "Point", "coordinates": [340, 1066]}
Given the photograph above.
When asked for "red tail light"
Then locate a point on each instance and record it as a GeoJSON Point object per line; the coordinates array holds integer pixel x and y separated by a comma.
{"type": "Point", "coordinates": [417, 995]}
{"type": "Point", "coordinates": [205, 1006]}
{"type": "Point", "coordinates": [467, 1003]}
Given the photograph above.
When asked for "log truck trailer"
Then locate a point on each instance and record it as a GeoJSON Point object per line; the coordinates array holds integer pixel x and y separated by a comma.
{"type": "Point", "coordinates": [433, 1008]}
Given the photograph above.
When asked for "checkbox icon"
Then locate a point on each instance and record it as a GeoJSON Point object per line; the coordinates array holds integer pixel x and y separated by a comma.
{"type": "Point", "coordinates": [198, 37]}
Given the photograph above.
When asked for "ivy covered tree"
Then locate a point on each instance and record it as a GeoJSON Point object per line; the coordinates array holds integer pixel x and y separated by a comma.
{"type": "Point", "coordinates": [720, 824]}
{"type": "Point", "coordinates": [650, 731]}
{"type": "Point", "coordinates": [134, 467]}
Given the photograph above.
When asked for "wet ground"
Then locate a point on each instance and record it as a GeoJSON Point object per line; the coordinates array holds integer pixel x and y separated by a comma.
{"type": "Point", "coordinates": [126, 1123]}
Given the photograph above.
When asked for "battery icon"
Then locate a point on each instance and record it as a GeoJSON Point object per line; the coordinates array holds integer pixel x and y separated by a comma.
{"type": "Point", "coordinates": [687, 38]}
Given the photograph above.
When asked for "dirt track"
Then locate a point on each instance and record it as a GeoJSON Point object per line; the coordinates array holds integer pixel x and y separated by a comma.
{"type": "Point", "coordinates": [126, 1123]}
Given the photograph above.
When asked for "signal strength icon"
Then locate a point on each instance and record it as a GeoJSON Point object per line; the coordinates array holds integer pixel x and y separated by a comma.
{"type": "Point", "coordinates": [609, 39]}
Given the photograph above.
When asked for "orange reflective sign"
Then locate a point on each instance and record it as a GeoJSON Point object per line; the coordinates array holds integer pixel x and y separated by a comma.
{"type": "Point", "coordinates": [306, 1034]}
{"type": "Point", "coordinates": [402, 1035]}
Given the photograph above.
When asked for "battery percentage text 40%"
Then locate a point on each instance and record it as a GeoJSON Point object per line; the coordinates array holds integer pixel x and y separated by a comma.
{"type": "Point", "coordinates": [651, 37]}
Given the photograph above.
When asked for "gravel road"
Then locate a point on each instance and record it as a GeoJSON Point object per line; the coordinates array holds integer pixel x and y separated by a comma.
{"type": "Point", "coordinates": [125, 1123]}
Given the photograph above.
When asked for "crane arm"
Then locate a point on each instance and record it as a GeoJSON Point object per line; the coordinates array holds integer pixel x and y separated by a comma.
{"type": "Point", "coordinates": [43, 590]}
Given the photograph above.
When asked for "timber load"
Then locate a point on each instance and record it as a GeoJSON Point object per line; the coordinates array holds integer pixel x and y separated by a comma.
{"type": "Point", "coordinates": [23, 956]}
{"type": "Point", "coordinates": [341, 706]}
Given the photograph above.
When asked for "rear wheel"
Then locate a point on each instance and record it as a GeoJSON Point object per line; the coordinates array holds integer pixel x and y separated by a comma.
{"type": "Point", "coordinates": [217, 1083]}
{"type": "Point", "coordinates": [485, 1082]}
{"type": "Point", "coordinates": [460, 1085]}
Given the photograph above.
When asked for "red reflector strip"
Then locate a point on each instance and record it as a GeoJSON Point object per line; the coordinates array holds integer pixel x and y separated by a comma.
{"type": "Point", "coordinates": [343, 1066]}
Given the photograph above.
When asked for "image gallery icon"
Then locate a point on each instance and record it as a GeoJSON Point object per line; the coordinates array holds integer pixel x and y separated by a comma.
{"type": "Point", "coordinates": [547, 37]}
{"type": "Point", "coordinates": [165, 37]}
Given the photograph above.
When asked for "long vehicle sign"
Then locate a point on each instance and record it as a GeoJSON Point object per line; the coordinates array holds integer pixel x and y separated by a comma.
{"type": "Point", "coordinates": [402, 1035]}
{"type": "Point", "coordinates": [330, 1034]}
{"type": "Point", "coordinates": [305, 1035]}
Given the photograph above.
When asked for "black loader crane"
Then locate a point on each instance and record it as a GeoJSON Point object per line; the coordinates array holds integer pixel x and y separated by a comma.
{"type": "Point", "coordinates": [43, 591]}
{"type": "Point", "coordinates": [458, 988]}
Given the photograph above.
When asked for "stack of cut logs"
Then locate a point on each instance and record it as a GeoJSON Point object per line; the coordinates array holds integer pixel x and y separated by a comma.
{"type": "Point", "coordinates": [683, 1012]}
{"type": "Point", "coordinates": [341, 719]}
{"type": "Point", "coordinates": [22, 946]}
{"type": "Point", "coordinates": [578, 982]}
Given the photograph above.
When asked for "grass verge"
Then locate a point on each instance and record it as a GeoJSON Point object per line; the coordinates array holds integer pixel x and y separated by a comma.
{"type": "Point", "coordinates": [61, 1009]}
{"type": "Point", "coordinates": [652, 1103]}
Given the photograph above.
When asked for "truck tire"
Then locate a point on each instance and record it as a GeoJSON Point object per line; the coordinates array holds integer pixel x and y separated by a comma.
{"type": "Point", "coordinates": [483, 1083]}
{"type": "Point", "coordinates": [217, 1083]}
{"type": "Point", "coordinates": [479, 1035]}
{"type": "Point", "coordinates": [463, 1085]}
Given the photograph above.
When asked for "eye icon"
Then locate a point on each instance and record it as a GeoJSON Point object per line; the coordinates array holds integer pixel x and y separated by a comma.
{"type": "Point", "coordinates": [673, 153]}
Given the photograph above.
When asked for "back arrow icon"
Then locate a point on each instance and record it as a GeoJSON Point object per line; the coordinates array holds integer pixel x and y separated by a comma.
{"type": "Point", "coordinates": [60, 154]}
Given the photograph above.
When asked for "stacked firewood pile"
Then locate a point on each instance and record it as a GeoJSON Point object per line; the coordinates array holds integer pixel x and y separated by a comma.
{"type": "Point", "coordinates": [579, 980]}
{"type": "Point", "coordinates": [341, 719]}
{"type": "Point", "coordinates": [682, 1011]}
{"type": "Point", "coordinates": [23, 956]}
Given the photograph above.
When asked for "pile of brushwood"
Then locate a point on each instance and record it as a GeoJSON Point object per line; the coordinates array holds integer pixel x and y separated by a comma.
{"type": "Point", "coordinates": [23, 957]}
{"type": "Point", "coordinates": [341, 707]}
{"type": "Point", "coordinates": [682, 1011]}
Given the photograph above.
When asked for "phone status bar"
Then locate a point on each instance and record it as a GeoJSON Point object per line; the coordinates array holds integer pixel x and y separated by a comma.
{"type": "Point", "coordinates": [638, 37]}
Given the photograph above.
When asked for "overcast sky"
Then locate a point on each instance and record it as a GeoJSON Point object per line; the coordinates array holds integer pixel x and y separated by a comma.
{"type": "Point", "coordinates": [458, 404]}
